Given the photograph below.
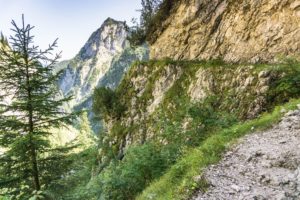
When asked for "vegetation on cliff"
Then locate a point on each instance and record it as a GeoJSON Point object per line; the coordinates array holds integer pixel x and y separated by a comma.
{"type": "Point", "coordinates": [153, 13]}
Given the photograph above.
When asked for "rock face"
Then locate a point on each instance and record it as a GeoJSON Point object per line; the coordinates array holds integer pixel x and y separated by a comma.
{"type": "Point", "coordinates": [243, 85]}
{"type": "Point", "coordinates": [154, 91]}
{"type": "Point", "coordinates": [101, 62]}
{"type": "Point", "coordinates": [162, 85]}
{"type": "Point", "coordinates": [264, 165]}
{"type": "Point", "coordinates": [234, 30]}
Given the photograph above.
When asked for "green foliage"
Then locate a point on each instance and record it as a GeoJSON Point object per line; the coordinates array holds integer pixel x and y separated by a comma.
{"type": "Point", "coordinates": [106, 103]}
{"type": "Point", "coordinates": [154, 24]}
{"type": "Point", "coordinates": [85, 138]}
{"type": "Point", "coordinates": [29, 163]}
{"type": "Point", "coordinates": [78, 184]}
{"type": "Point", "coordinates": [208, 114]}
{"type": "Point", "coordinates": [288, 86]}
{"type": "Point", "coordinates": [153, 13]}
{"type": "Point", "coordinates": [3, 40]}
{"type": "Point", "coordinates": [125, 179]}
{"type": "Point", "coordinates": [192, 135]}
{"type": "Point", "coordinates": [137, 35]}
{"type": "Point", "coordinates": [192, 123]}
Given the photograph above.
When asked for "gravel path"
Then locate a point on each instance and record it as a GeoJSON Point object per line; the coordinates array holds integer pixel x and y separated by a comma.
{"type": "Point", "coordinates": [262, 166]}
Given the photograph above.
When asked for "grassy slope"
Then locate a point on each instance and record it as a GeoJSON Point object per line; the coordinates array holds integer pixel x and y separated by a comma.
{"type": "Point", "coordinates": [180, 180]}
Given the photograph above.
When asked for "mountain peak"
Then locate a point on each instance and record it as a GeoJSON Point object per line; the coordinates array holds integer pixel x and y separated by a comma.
{"type": "Point", "coordinates": [111, 36]}
{"type": "Point", "coordinates": [106, 49]}
{"type": "Point", "coordinates": [110, 21]}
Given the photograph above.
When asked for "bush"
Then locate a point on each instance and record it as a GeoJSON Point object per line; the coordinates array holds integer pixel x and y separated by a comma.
{"type": "Point", "coordinates": [125, 179]}
{"type": "Point", "coordinates": [106, 103]}
{"type": "Point", "coordinates": [288, 86]}
{"type": "Point", "coordinates": [210, 115]}
{"type": "Point", "coordinates": [155, 23]}
{"type": "Point", "coordinates": [153, 13]}
{"type": "Point", "coordinates": [75, 186]}
{"type": "Point", "coordinates": [141, 165]}
{"type": "Point", "coordinates": [193, 122]}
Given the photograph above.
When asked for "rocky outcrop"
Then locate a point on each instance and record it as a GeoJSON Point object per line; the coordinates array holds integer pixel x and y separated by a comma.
{"type": "Point", "coordinates": [243, 87]}
{"type": "Point", "coordinates": [156, 90]}
{"type": "Point", "coordinates": [234, 30]}
{"type": "Point", "coordinates": [162, 85]}
{"type": "Point", "coordinates": [263, 165]}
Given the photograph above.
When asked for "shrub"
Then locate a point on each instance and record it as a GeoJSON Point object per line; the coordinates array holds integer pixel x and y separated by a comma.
{"type": "Point", "coordinates": [153, 13]}
{"type": "Point", "coordinates": [155, 23]}
{"type": "Point", "coordinates": [125, 179]}
{"type": "Point", "coordinates": [106, 103]}
{"type": "Point", "coordinates": [288, 86]}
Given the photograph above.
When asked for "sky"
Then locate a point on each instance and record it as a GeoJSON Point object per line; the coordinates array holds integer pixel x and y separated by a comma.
{"type": "Point", "coordinates": [71, 21]}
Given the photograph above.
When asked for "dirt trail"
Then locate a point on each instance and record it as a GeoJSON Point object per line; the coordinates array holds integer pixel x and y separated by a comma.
{"type": "Point", "coordinates": [262, 166]}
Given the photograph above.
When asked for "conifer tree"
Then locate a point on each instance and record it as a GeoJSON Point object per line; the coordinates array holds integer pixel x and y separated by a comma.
{"type": "Point", "coordinates": [3, 40]}
{"type": "Point", "coordinates": [150, 24]}
{"type": "Point", "coordinates": [29, 109]}
{"type": "Point", "coordinates": [149, 9]}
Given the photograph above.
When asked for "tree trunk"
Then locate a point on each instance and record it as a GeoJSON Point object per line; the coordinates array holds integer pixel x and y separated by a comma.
{"type": "Point", "coordinates": [34, 164]}
{"type": "Point", "coordinates": [33, 154]}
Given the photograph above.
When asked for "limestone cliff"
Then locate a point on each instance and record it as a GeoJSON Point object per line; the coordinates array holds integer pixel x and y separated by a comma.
{"type": "Point", "coordinates": [234, 30]}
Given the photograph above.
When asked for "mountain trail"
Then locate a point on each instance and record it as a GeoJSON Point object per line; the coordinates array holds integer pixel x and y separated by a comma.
{"type": "Point", "coordinates": [261, 166]}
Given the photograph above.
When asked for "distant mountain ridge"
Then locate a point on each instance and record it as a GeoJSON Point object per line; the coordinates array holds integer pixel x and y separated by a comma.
{"type": "Point", "coordinates": [102, 61]}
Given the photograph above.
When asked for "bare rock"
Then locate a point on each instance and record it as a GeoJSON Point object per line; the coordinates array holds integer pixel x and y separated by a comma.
{"type": "Point", "coordinates": [237, 31]}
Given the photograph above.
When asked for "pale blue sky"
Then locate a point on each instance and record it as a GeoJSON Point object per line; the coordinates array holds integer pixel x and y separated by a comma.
{"type": "Point", "coordinates": [72, 21]}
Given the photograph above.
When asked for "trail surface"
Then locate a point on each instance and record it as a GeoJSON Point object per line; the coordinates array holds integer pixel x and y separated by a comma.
{"type": "Point", "coordinates": [262, 166]}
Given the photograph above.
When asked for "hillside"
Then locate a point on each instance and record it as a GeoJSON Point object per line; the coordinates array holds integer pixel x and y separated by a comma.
{"type": "Point", "coordinates": [172, 88]}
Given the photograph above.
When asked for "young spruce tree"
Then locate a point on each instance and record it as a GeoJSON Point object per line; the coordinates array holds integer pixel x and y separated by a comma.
{"type": "Point", "coordinates": [29, 109]}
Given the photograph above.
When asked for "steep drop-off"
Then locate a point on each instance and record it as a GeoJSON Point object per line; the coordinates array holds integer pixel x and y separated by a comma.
{"type": "Point", "coordinates": [234, 30]}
